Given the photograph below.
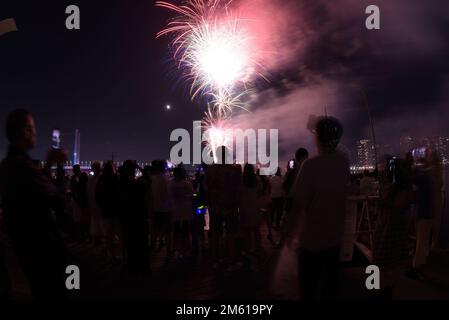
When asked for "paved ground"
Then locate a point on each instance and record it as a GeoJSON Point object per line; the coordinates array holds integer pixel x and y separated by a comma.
{"type": "Point", "coordinates": [196, 279]}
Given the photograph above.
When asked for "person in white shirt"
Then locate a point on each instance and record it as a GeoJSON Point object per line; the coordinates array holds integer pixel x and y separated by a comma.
{"type": "Point", "coordinates": [319, 199]}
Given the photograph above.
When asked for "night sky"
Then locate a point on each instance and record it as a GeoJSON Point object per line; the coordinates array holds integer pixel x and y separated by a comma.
{"type": "Point", "coordinates": [112, 79]}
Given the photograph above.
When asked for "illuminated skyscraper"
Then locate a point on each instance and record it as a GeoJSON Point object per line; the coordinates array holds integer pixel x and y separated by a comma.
{"type": "Point", "coordinates": [441, 146]}
{"type": "Point", "coordinates": [365, 153]}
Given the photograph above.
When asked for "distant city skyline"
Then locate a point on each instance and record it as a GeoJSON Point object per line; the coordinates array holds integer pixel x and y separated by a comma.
{"type": "Point", "coordinates": [362, 153]}
{"type": "Point", "coordinates": [365, 151]}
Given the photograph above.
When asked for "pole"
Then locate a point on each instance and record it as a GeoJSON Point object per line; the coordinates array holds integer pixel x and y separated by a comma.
{"type": "Point", "coordinates": [373, 133]}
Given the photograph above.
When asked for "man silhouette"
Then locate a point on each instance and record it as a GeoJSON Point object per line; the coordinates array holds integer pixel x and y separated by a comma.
{"type": "Point", "coordinates": [221, 184]}
{"type": "Point", "coordinates": [28, 197]}
{"type": "Point", "coordinates": [319, 199]}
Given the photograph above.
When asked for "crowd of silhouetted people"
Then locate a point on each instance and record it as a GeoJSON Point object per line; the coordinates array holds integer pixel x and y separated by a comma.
{"type": "Point", "coordinates": [223, 209]}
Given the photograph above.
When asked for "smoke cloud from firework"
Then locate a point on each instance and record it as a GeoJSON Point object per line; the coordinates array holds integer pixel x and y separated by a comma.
{"type": "Point", "coordinates": [324, 57]}
{"type": "Point", "coordinates": [318, 54]}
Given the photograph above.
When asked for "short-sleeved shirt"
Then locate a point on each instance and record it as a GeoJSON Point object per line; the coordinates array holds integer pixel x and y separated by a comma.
{"type": "Point", "coordinates": [320, 192]}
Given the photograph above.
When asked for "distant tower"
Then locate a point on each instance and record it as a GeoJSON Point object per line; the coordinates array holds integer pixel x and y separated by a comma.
{"type": "Point", "coordinates": [76, 148]}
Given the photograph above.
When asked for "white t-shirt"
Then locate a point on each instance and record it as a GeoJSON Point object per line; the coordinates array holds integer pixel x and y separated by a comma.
{"type": "Point", "coordinates": [320, 190]}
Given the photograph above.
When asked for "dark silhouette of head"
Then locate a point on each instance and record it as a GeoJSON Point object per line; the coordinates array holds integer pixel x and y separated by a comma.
{"type": "Point", "coordinates": [158, 166]}
{"type": "Point", "coordinates": [76, 169]}
{"type": "Point", "coordinates": [249, 175]}
{"type": "Point", "coordinates": [21, 130]}
{"type": "Point", "coordinates": [96, 168]}
{"type": "Point", "coordinates": [129, 169]}
{"type": "Point", "coordinates": [328, 133]}
{"type": "Point", "coordinates": [109, 169]}
{"type": "Point", "coordinates": [301, 154]}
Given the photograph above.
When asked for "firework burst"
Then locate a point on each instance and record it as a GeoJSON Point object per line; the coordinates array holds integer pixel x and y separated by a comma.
{"type": "Point", "coordinates": [213, 50]}
{"type": "Point", "coordinates": [216, 132]}
{"type": "Point", "coordinates": [217, 57]}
